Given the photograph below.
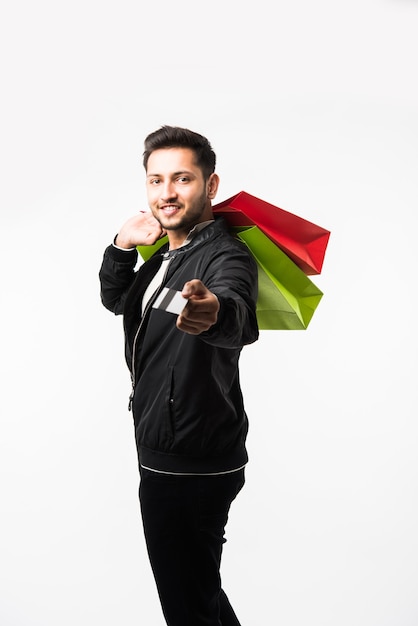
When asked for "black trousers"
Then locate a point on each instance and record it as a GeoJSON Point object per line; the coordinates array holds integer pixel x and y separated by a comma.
{"type": "Point", "coordinates": [184, 520]}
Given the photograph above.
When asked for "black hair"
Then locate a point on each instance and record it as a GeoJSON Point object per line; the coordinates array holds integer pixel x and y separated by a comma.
{"type": "Point", "coordinates": [176, 137]}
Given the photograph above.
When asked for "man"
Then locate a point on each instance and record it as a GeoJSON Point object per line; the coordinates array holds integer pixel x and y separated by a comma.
{"type": "Point", "coordinates": [190, 422]}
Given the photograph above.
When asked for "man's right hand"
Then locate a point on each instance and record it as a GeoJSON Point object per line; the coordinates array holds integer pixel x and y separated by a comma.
{"type": "Point", "coordinates": [140, 230]}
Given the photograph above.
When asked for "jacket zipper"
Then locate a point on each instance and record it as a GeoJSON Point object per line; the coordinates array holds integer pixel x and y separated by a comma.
{"type": "Point", "coordinates": [147, 307]}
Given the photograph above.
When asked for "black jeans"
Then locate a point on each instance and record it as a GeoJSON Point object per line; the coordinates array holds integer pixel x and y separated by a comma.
{"type": "Point", "coordinates": [184, 521]}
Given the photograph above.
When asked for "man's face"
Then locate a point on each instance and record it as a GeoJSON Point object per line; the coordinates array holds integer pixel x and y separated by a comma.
{"type": "Point", "coordinates": [178, 195]}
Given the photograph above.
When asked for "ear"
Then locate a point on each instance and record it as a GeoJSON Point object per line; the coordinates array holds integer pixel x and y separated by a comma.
{"type": "Point", "coordinates": [212, 185]}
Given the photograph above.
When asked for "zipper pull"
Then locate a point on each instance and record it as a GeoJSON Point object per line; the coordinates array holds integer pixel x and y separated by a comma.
{"type": "Point", "coordinates": [131, 397]}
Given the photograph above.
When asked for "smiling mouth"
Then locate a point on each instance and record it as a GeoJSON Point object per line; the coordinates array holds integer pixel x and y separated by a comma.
{"type": "Point", "coordinates": [169, 209]}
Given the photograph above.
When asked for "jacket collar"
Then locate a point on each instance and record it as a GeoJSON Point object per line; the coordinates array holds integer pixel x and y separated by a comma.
{"type": "Point", "coordinates": [197, 235]}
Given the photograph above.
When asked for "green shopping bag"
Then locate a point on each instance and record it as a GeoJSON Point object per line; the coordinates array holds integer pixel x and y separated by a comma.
{"type": "Point", "coordinates": [146, 252]}
{"type": "Point", "coordinates": [287, 298]}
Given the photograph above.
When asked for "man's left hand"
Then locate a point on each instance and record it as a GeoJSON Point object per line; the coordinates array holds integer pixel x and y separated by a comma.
{"type": "Point", "coordinates": [201, 310]}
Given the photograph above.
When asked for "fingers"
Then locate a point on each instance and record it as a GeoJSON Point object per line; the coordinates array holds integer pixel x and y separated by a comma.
{"type": "Point", "coordinates": [154, 229]}
{"type": "Point", "coordinates": [195, 288]}
{"type": "Point", "coordinates": [191, 329]}
{"type": "Point", "coordinates": [141, 229]}
{"type": "Point", "coordinates": [201, 310]}
{"type": "Point", "coordinates": [195, 325]}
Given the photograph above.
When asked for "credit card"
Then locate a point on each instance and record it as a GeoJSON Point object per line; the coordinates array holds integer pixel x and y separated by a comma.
{"type": "Point", "coordinates": [170, 300]}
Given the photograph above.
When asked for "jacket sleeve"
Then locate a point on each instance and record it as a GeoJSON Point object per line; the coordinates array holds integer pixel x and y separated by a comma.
{"type": "Point", "coordinates": [234, 280]}
{"type": "Point", "coordinates": [116, 275]}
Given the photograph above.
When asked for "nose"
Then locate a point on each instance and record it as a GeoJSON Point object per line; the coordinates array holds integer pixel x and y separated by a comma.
{"type": "Point", "coordinates": [168, 191]}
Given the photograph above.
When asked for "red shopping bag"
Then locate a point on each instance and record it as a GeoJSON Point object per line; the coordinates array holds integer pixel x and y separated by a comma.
{"type": "Point", "coordinates": [303, 241]}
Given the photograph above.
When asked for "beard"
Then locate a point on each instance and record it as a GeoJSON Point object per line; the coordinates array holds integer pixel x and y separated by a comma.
{"type": "Point", "coordinates": [185, 222]}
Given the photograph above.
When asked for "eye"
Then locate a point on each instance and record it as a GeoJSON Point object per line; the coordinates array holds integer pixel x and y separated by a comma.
{"type": "Point", "coordinates": [183, 179]}
{"type": "Point", "coordinates": [154, 181]}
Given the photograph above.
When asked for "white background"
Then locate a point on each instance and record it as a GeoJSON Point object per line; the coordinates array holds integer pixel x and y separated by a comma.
{"type": "Point", "coordinates": [311, 106]}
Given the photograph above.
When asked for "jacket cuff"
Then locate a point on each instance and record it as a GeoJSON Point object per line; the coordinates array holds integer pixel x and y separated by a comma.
{"type": "Point", "coordinates": [122, 256]}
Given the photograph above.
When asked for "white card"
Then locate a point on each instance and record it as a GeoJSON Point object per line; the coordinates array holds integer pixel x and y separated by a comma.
{"type": "Point", "coordinates": [170, 300]}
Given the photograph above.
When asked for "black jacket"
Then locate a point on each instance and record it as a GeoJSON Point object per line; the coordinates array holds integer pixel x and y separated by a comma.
{"type": "Point", "coordinates": [187, 402]}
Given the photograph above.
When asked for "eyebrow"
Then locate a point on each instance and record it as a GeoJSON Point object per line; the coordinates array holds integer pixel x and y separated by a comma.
{"type": "Point", "coordinates": [174, 173]}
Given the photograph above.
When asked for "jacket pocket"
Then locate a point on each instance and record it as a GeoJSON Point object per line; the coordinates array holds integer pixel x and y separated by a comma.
{"type": "Point", "coordinates": [154, 413]}
{"type": "Point", "coordinates": [169, 406]}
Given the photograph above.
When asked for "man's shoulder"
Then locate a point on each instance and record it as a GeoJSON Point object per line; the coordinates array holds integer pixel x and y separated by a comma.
{"type": "Point", "coordinates": [228, 237]}
{"type": "Point", "coordinates": [218, 239]}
